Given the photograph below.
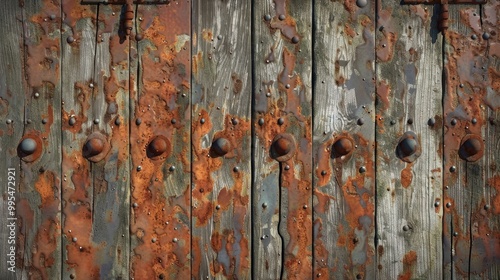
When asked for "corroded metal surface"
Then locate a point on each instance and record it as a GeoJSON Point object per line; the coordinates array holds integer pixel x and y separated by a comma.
{"type": "Point", "coordinates": [282, 205]}
{"type": "Point", "coordinates": [160, 109]}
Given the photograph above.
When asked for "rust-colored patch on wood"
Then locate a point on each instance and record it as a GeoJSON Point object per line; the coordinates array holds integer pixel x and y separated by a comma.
{"type": "Point", "coordinates": [407, 175]}
{"type": "Point", "coordinates": [409, 261]}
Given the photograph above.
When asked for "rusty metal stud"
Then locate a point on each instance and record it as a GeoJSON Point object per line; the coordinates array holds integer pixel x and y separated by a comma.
{"type": "Point", "coordinates": [128, 18]}
{"type": "Point", "coordinates": [236, 169]}
{"type": "Point", "coordinates": [37, 94]}
{"type": "Point", "coordinates": [267, 17]}
{"type": "Point", "coordinates": [281, 121]}
{"type": "Point", "coordinates": [118, 121]}
{"type": "Point", "coordinates": [408, 149]}
{"type": "Point", "coordinates": [437, 203]}
{"type": "Point", "coordinates": [158, 147]}
{"type": "Point", "coordinates": [474, 121]}
{"type": "Point", "coordinates": [283, 147]}
{"type": "Point", "coordinates": [72, 276]}
{"type": "Point", "coordinates": [281, 17]}
{"type": "Point", "coordinates": [486, 36]}
{"type": "Point", "coordinates": [70, 39]}
{"type": "Point", "coordinates": [138, 37]}
{"type": "Point", "coordinates": [471, 148]}
{"type": "Point", "coordinates": [360, 121]}
{"type": "Point", "coordinates": [261, 121]}
{"type": "Point", "coordinates": [96, 147]}
{"type": "Point", "coordinates": [342, 147]}
{"type": "Point", "coordinates": [138, 121]}
{"type": "Point", "coordinates": [392, 122]}
{"type": "Point", "coordinates": [287, 167]}
{"type": "Point", "coordinates": [8, 121]}
{"type": "Point", "coordinates": [171, 169]}
{"type": "Point", "coordinates": [359, 276]}
{"type": "Point", "coordinates": [362, 169]}
{"type": "Point", "coordinates": [97, 121]}
{"type": "Point", "coordinates": [44, 121]}
{"type": "Point", "coordinates": [295, 39]}
{"type": "Point", "coordinates": [410, 121]}
{"type": "Point", "coordinates": [220, 147]}
{"type": "Point", "coordinates": [202, 121]}
{"type": "Point", "coordinates": [406, 228]}
{"type": "Point", "coordinates": [448, 205]}
{"type": "Point", "coordinates": [217, 207]}
{"type": "Point", "coordinates": [28, 146]}
{"type": "Point", "coordinates": [234, 121]}
{"type": "Point", "coordinates": [486, 207]}
{"type": "Point", "coordinates": [264, 205]}
{"type": "Point", "coordinates": [175, 240]}
{"type": "Point", "coordinates": [431, 122]}
{"type": "Point", "coordinates": [173, 121]}
{"type": "Point", "coordinates": [453, 122]}
{"type": "Point", "coordinates": [323, 172]}
{"type": "Point", "coordinates": [473, 36]}
{"type": "Point", "coordinates": [135, 205]}
{"type": "Point", "coordinates": [453, 168]}
{"type": "Point", "coordinates": [72, 121]}
{"type": "Point", "coordinates": [361, 3]}
{"type": "Point", "coordinates": [139, 168]}
{"type": "Point", "coordinates": [455, 234]}
{"type": "Point", "coordinates": [74, 239]}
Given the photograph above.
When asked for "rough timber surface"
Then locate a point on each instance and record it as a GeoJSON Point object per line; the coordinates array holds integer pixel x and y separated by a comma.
{"type": "Point", "coordinates": [282, 191]}
{"type": "Point", "coordinates": [471, 108]}
{"type": "Point", "coordinates": [221, 139]}
{"type": "Point", "coordinates": [160, 120]}
{"type": "Point", "coordinates": [344, 96]}
{"type": "Point", "coordinates": [408, 136]}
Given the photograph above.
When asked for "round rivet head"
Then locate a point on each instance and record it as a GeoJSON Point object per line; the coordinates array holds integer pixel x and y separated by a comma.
{"type": "Point", "coordinates": [157, 147]}
{"type": "Point", "coordinates": [28, 146]}
{"type": "Point", "coordinates": [138, 121]}
{"type": "Point", "coordinates": [281, 17]}
{"type": "Point", "coordinates": [8, 121]}
{"type": "Point", "coordinates": [453, 122]}
{"type": "Point", "coordinates": [220, 147]}
{"type": "Point", "coordinates": [118, 121]}
{"type": "Point", "coordinates": [97, 121]}
{"type": "Point", "coordinates": [37, 94]}
{"type": "Point", "coordinates": [44, 121]}
{"type": "Point", "coordinates": [261, 121]}
{"type": "Point", "coordinates": [236, 169]}
{"type": "Point", "coordinates": [410, 121]}
{"type": "Point", "coordinates": [202, 121]}
{"type": "Point", "coordinates": [342, 147]}
{"type": "Point", "coordinates": [362, 169]}
{"type": "Point", "coordinates": [471, 148]}
{"type": "Point", "coordinates": [486, 36]}
{"type": "Point", "coordinates": [323, 172]}
{"type": "Point", "coordinates": [281, 121]}
{"type": "Point", "coordinates": [474, 121]}
{"type": "Point", "coordinates": [455, 234]}
{"type": "Point", "coordinates": [96, 147]}
{"type": "Point", "coordinates": [361, 3]}
{"type": "Point", "coordinates": [473, 36]}
{"type": "Point", "coordinates": [295, 39]}
{"type": "Point", "coordinates": [486, 207]}
{"type": "Point", "coordinates": [393, 122]}
{"type": "Point", "coordinates": [453, 168]}
{"type": "Point", "coordinates": [171, 168]}
{"type": "Point", "coordinates": [448, 205]}
{"type": "Point", "coordinates": [406, 228]}
{"type": "Point", "coordinates": [264, 205]}
{"type": "Point", "coordinates": [139, 37]}
{"type": "Point", "coordinates": [408, 148]}
{"type": "Point", "coordinates": [267, 17]}
{"type": "Point", "coordinates": [234, 121]}
{"type": "Point", "coordinates": [360, 122]}
{"type": "Point", "coordinates": [139, 168]}
{"type": "Point", "coordinates": [431, 122]}
{"type": "Point", "coordinates": [283, 147]}
{"type": "Point", "coordinates": [72, 121]}
{"type": "Point", "coordinates": [437, 203]}
{"type": "Point", "coordinates": [70, 39]}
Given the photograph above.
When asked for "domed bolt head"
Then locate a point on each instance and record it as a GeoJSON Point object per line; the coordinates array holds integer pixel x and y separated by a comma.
{"type": "Point", "coordinates": [28, 146]}
{"type": "Point", "coordinates": [470, 147]}
{"type": "Point", "coordinates": [361, 3]}
{"type": "Point", "coordinates": [282, 146]}
{"type": "Point", "coordinates": [342, 147]}
{"type": "Point", "coordinates": [220, 147]}
{"type": "Point", "coordinates": [408, 146]}
{"type": "Point", "coordinates": [157, 146]}
{"type": "Point", "coordinates": [93, 147]}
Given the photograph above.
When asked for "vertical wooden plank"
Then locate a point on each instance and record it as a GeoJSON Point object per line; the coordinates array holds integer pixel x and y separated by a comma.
{"type": "Point", "coordinates": [282, 190]}
{"type": "Point", "coordinates": [160, 137]}
{"type": "Point", "coordinates": [110, 117]}
{"type": "Point", "coordinates": [12, 104]}
{"type": "Point", "coordinates": [408, 137]}
{"type": "Point", "coordinates": [80, 252]}
{"type": "Point", "coordinates": [221, 143]}
{"type": "Point", "coordinates": [344, 123]}
{"type": "Point", "coordinates": [472, 140]}
{"type": "Point", "coordinates": [40, 204]}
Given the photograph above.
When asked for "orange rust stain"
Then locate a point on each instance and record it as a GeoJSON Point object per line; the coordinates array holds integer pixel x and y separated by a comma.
{"type": "Point", "coordinates": [409, 261]}
{"type": "Point", "coordinates": [349, 30]}
{"type": "Point", "coordinates": [44, 186]}
{"type": "Point", "coordinates": [407, 175]}
{"type": "Point", "coordinates": [207, 35]}
{"type": "Point", "coordinates": [494, 182]}
{"type": "Point", "coordinates": [420, 12]}
{"type": "Point", "coordinates": [383, 94]}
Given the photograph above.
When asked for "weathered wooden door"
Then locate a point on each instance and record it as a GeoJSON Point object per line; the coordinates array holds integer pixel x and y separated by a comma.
{"type": "Point", "coordinates": [250, 139]}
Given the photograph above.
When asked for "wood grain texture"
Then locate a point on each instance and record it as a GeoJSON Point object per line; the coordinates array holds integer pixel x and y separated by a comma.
{"type": "Point", "coordinates": [110, 102]}
{"type": "Point", "coordinates": [12, 104]}
{"type": "Point", "coordinates": [221, 139]}
{"type": "Point", "coordinates": [78, 43]}
{"type": "Point", "coordinates": [409, 98]}
{"type": "Point", "coordinates": [471, 107]}
{"type": "Point", "coordinates": [282, 192]}
{"type": "Point", "coordinates": [40, 182]}
{"type": "Point", "coordinates": [160, 136]}
{"type": "Point", "coordinates": [344, 202]}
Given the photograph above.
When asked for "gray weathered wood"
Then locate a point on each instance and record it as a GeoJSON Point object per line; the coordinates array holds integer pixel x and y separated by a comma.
{"type": "Point", "coordinates": [110, 102]}
{"type": "Point", "coordinates": [344, 206]}
{"type": "Point", "coordinates": [471, 111]}
{"type": "Point", "coordinates": [221, 140]}
{"type": "Point", "coordinates": [12, 104]}
{"type": "Point", "coordinates": [78, 43]}
{"type": "Point", "coordinates": [282, 191]}
{"type": "Point", "coordinates": [409, 94]}
{"type": "Point", "coordinates": [160, 176]}
{"type": "Point", "coordinates": [40, 229]}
